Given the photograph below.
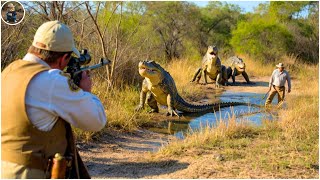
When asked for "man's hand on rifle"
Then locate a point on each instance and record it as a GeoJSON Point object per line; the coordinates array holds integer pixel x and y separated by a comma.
{"type": "Point", "coordinates": [85, 82]}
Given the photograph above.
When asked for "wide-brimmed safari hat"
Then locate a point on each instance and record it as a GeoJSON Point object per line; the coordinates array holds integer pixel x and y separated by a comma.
{"type": "Point", "coordinates": [280, 65]}
{"type": "Point", "coordinates": [55, 36]}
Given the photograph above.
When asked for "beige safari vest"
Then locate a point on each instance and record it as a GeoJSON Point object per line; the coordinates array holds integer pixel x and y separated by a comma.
{"type": "Point", "coordinates": [22, 143]}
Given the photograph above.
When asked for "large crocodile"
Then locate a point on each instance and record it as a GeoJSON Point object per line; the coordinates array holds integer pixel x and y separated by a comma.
{"type": "Point", "coordinates": [159, 87]}
{"type": "Point", "coordinates": [211, 66]}
{"type": "Point", "coordinates": [236, 67]}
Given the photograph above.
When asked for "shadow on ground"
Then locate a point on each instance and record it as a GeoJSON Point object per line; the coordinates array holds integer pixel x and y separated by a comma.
{"type": "Point", "coordinates": [253, 84]}
{"type": "Point", "coordinates": [104, 168]}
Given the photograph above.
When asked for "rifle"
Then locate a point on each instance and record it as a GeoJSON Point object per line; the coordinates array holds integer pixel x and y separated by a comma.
{"type": "Point", "coordinates": [266, 94]}
{"type": "Point", "coordinates": [76, 65]}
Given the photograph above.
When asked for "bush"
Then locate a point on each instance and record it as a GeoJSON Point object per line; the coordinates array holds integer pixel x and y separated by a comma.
{"type": "Point", "coordinates": [262, 39]}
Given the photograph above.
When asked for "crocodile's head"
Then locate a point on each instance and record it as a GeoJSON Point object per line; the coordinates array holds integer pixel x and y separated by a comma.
{"type": "Point", "coordinates": [239, 65]}
{"type": "Point", "coordinates": [151, 70]}
{"type": "Point", "coordinates": [212, 52]}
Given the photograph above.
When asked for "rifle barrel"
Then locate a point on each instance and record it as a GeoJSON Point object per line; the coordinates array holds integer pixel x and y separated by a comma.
{"type": "Point", "coordinates": [102, 63]}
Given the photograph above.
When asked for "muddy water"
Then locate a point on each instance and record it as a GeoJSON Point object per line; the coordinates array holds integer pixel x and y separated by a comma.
{"type": "Point", "coordinates": [194, 122]}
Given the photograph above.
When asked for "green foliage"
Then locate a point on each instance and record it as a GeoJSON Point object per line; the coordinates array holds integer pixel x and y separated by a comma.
{"type": "Point", "coordinates": [165, 31]}
{"type": "Point", "coordinates": [278, 29]}
{"type": "Point", "coordinates": [286, 10]}
{"type": "Point", "coordinates": [217, 21]}
{"type": "Point", "coordinates": [173, 24]}
{"type": "Point", "coordinates": [301, 19]}
{"type": "Point", "coordinates": [262, 38]}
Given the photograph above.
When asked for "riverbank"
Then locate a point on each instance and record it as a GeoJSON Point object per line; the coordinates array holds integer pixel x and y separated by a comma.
{"type": "Point", "coordinates": [262, 155]}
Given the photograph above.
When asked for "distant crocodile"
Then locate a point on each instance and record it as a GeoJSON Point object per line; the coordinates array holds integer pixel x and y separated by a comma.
{"type": "Point", "coordinates": [236, 67]}
{"type": "Point", "coordinates": [211, 66]}
{"type": "Point", "coordinates": [159, 87]}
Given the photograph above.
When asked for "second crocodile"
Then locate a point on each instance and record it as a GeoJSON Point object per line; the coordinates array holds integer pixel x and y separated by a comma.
{"type": "Point", "coordinates": [236, 67]}
{"type": "Point", "coordinates": [212, 67]}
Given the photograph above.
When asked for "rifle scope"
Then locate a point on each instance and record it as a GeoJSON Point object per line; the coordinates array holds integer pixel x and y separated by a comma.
{"type": "Point", "coordinates": [84, 59]}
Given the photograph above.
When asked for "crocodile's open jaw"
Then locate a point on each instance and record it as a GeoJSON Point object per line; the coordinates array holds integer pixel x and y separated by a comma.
{"type": "Point", "coordinates": [212, 51]}
{"type": "Point", "coordinates": [241, 68]}
{"type": "Point", "coordinates": [143, 69]}
{"type": "Point", "coordinates": [146, 71]}
{"type": "Point", "coordinates": [212, 55]}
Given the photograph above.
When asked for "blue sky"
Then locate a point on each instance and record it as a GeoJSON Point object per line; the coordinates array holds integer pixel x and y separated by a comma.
{"type": "Point", "coordinates": [247, 6]}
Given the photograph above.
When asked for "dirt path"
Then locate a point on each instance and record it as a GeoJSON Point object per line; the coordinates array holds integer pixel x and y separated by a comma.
{"type": "Point", "coordinates": [121, 155]}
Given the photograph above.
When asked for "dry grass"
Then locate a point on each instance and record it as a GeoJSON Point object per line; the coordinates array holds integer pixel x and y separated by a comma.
{"type": "Point", "coordinates": [286, 148]}
{"type": "Point", "coordinates": [182, 72]}
{"type": "Point", "coordinates": [300, 122]}
{"type": "Point", "coordinates": [120, 109]}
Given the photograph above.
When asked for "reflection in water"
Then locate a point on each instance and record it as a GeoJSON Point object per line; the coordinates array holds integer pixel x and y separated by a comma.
{"type": "Point", "coordinates": [194, 122]}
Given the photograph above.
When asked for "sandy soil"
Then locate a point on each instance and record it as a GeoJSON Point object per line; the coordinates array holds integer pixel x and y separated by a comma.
{"type": "Point", "coordinates": [124, 155]}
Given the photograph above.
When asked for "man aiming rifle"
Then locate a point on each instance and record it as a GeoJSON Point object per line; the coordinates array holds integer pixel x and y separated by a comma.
{"type": "Point", "coordinates": [40, 102]}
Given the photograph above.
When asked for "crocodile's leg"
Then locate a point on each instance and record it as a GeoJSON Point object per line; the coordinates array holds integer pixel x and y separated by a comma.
{"type": "Point", "coordinates": [245, 75]}
{"type": "Point", "coordinates": [152, 103]}
{"type": "Point", "coordinates": [229, 73]}
{"type": "Point", "coordinates": [218, 80]}
{"type": "Point", "coordinates": [142, 100]}
{"type": "Point", "coordinates": [170, 103]}
{"type": "Point", "coordinates": [197, 75]}
{"type": "Point", "coordinates": [234, 73]}
{"type": "Point", "coordinates": [143, 93]}
{"type": "Point", "coordinates": [204, 72]}
{"type": "Point", "coordinates": [224, 74]}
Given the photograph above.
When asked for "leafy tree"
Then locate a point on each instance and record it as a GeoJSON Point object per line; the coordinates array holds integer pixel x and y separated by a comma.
{"type": "Point", "coordinates": [261, 38]}
{"type": "Point", "coordinates": [173, 23]}
{"type": "Point", "coordinates": [286, 10]}
{"type": "Point", "coordinates": [217, 21]}
{"type": "Point", "coordinates": [305, 30]}
{"type": "Point", "coordinates": [280, 28]}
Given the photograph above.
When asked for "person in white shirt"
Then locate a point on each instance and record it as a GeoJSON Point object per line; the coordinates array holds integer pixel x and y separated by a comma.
{"type": "Point", "coordinates": [38, 125]}
{"type": "Point", "coordinates": [277, 84]}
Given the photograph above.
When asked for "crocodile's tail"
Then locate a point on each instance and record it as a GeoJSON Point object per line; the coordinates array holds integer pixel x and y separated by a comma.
{"type": "Point", "coordinates": [192, 108]}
